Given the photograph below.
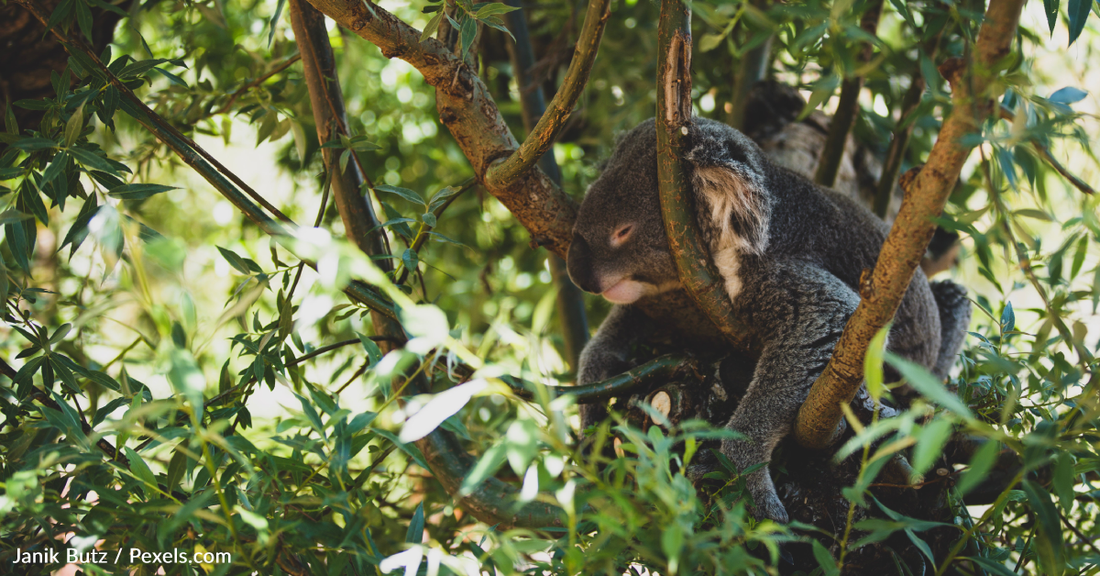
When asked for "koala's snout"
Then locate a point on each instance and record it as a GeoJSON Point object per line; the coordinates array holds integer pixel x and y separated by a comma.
{"type": "Point", "coordinates": [579, 263]}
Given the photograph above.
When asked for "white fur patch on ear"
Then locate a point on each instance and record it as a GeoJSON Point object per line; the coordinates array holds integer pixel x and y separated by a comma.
{"type": "Point", "coordinates": [736, 208]}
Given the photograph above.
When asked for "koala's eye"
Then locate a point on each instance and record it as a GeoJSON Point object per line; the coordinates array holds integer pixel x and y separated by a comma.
{"type": "Point", "coordinates": [621, 235]}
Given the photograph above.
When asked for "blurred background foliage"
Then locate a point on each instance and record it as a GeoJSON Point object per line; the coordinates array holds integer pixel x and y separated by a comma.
{"type": "Point", "coordinates": [295, 466]}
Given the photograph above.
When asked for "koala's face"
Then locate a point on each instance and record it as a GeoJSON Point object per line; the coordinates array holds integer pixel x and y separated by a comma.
{"type": "Point", "coordinates": [619, 248]}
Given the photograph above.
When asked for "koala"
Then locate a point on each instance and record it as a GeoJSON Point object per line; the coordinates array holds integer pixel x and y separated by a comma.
{"type": "Point", "coordinates": [790, 254]}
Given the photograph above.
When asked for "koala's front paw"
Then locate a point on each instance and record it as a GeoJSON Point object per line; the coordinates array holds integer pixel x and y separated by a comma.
{"type": "Point", "coordinates": [767, 505]}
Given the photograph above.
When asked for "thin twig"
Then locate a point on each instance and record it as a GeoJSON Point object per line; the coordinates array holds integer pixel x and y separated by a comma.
{"type": "Point", "coordinates": [240, 91]}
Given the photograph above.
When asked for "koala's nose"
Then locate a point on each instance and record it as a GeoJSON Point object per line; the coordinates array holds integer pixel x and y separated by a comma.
{"type": "Point", "coordinates": [579, 264]}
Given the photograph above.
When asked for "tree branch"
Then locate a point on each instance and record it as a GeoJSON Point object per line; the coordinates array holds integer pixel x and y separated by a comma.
{"type": "Point", "coordinates": [895, 154]}
{"type": "Point", "coordinates": [468, 111]}
{"type": "Point", "coordinates": [752, 68]}
{"type": "Point", "coordinates": [492, 501]}
{"type": "Point", "coordinates": [697, 273]}
{"type": "Point", "coordinates": [327, 100]}
{"type": "Point", "coordinates": [657, 371]}
{"type": "Point", "coordinates": [542, 136]}
{"type": "Point", "coordinates": [570, 301]}
{"type": "Point", "coordinates": [841, 124]}
{"type": "Point", "coordinates": [881, 290]}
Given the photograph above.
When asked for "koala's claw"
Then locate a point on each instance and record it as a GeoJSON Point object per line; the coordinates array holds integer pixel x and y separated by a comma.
{"type": "Point", "coordinates": [768, 506]}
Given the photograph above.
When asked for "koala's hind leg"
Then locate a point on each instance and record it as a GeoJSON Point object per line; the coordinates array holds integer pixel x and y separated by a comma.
{"type": "Point", "coordinates": [954, 308]}
{"type": "Point", "coordinates": [804, 310]}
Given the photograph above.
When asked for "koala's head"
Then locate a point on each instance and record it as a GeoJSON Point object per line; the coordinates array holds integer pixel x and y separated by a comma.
{"type": "Point", "coordinates": [620, 249]}
{"type": "Point", "coordinates": [619, 245]}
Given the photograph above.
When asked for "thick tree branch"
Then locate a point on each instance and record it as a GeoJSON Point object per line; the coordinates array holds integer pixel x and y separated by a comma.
{"type": "Point", "coordinates": [697, 273]}
{"type": "Point", "coordinates": [468, 111]}
{"type": "Point", "coordinates": [542, 136]}
{"type": "Point", "coordinates": [327, 100]}
{"type": "Point", "coordinates": [492, 501]}
{"type": "Point", "coordinates": [841, 124]}
{"type": "Point", "coordinates": [881, 290]}
{"type": "Point", "coordinates": [570, 301]}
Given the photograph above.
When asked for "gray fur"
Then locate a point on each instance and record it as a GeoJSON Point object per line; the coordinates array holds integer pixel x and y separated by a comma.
{"type": "Point", "coordinates": [791, 254]}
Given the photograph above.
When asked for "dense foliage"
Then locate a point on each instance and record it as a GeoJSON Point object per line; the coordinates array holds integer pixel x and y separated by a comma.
{"type": "Point", "coordinates": [175, 378]}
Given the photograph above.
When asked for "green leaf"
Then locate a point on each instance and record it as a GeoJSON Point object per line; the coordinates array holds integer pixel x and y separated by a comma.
{"type": "Point", "coordinates": [10, 123]}
{"type": "Point", "coordinates": [494, 9]}
{"type": "Point", "coordinates": [75, 124]}
{"type": "Point", "coordinates": [60, 14]}
{"type": "Point", "coordinates": [1051, 9]}
{"type": "Point", "coordinates": [92, 160]}
{"type": "Point", "coordinates": [432, 27]}
{"type": "Point", "coordinates": [405, 193]}
{"type": "Point", "coordinates": [274, 20]}
{"type": "Point", "coordinates": [710, 42]}
{"type": "Point", "coordinates": [31, 144]}
{"type": "Point", "coordinates": [172, 77]}
{"type": "Point", "coordinates": [312, 415]}
{"type": "Point", "coordinates": [872, 363]}
{"type": "Point", "coordinates": [138, 191]}
{"type": "Point", "coordinates": [980, 465]}
{"type": "Point", "coordinates": [374, 353]}
{"type": "Point", "coordinates": [84, 19]}
{"type": "Point", "coordinates": [141, 471]}
{"type": "Point", "coordinates": [235, 261]}
{"type": "Point", "coordinates": [824, 559]}
{"type": "Point", "coordinates": [1063, 480]}
{"type": "Point", "coordinates": [1008, 318]}
{"type": "Point", "coordinates": [1050, 544]}
{"type": "Point", "coordinates": [12, 215]}
{"type": "Point", "coordinates": [1078, 11]}
{"type": "Point", "coordinates": [930, 442]}
{"type": "Point", "coordinates": [924, 382]}
{"type": "Point", "coordinates": [822, 90]}
{"type": "Point", "coordinates": [415, 533]}
{"type": "Point", "coordinates": [994, 567]}
{"type": "Point", "coordinates": [409, 259]}
{"type": "Point", "coordinates": [467, 36]}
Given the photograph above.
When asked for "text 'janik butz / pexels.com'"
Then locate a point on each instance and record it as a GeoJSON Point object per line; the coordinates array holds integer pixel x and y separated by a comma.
{"type": "Point", "coordinates": [129, 556]}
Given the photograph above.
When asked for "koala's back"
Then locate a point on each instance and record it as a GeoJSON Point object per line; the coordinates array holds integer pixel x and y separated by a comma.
{"type": "Point", "coordinates": [823, 227]}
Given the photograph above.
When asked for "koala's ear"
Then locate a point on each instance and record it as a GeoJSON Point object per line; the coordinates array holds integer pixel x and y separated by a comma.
{"type": "Point", "coordinates": [732, 201]}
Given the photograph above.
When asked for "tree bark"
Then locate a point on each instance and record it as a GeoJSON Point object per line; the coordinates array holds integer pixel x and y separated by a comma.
{"type": "Point", "coordinates": [881, 290]}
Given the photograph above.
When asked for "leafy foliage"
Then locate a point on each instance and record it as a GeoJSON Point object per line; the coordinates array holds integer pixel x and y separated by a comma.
{"type": "Point", "coordinates": [177, 380]}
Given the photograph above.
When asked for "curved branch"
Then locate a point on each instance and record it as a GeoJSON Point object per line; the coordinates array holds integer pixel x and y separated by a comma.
{"type": "Point", "coordinates": [881, 290]}
{"type": "Point", "coordinates": [570, 300]}
{"type": "Point", "coordinates": [542, 137]}
{"type": "Point", "coordinates": [467, 110]}
{"type": "Point", "coordinates": [693, 264]}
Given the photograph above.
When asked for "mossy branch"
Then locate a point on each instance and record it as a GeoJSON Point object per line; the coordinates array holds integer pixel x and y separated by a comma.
{"type": "Point", "coordinates": [881, 290]}
{"type": "Point", "coordinates": [697, 273]}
